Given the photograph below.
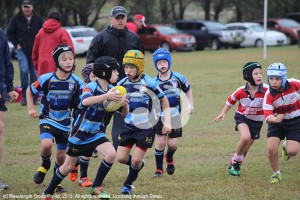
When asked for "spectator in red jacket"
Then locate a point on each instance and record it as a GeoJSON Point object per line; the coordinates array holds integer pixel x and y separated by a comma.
{"type": "Point", "coordinates": [50, 36]}
{"type": "Point", "coordinates": [138, 22]}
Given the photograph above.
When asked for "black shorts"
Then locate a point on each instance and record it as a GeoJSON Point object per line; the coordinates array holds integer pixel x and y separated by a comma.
{"type": "Point", "coordinates": [3, 107]}
{"type": "Point", "coordinates": [288, 128]}
{"type": "Point", "coordinates": [254, 126]}
{"type": "Point", "coordinates": [143, 138]}
{"type": "Point", "coordinates": [87, 150]}
{"type": "Point", "coordinates": [175, 133]}
{"type": "Point", "coordinates": [61, 137]}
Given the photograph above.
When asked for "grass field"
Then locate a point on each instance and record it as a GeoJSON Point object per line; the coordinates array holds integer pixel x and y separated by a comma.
{"type": "Point", "coordinates": [203, 152]}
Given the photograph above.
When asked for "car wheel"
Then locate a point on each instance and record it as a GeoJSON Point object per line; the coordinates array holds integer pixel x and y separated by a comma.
{"type": "Point", "coordinates": [166, 45]}
{"type": "Point", "coordinates": [259, 43]}
{"type": "Point", "coordinates": [215, 44]}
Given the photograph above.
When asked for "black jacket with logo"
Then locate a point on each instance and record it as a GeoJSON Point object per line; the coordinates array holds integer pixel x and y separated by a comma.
{"type": "Point", "coordinates": [22, 31]}
{"type": "Point", "coordinates": [114, 43]}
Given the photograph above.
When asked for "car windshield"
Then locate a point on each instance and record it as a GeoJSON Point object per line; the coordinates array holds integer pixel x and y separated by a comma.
{"type": "Point", "coordinates": [215, 26]}
{"type": "Point", "coordinates": [257, 28]}
{"type": "Point", "coordinates": [288, 23]}
{"type": "Point", "coordinates": [84, 33]}
{"type": "Point", "coordinates": [167, 30]}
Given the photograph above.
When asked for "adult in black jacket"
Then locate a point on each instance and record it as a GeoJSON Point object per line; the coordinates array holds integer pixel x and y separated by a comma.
{"type": "Point", "coordinates": [6, 89]}
{"type": "Point", "coordinates": [115, 41]}
{"type": "Point", "coordinates": [21, 31]}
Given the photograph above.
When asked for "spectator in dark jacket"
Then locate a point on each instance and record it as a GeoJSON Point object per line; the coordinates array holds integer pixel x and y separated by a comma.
{"type": "Point", "coordinates": [21, 31]}
{"type": "Point", "coordinates": [50, 36]}
{"type": "Point", "coordinates": [115, 41]}
{"type": "Point", "coordinates": [6, 89]}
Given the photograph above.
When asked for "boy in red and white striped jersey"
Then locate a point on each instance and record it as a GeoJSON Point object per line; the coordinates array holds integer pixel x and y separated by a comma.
{"type": "Point", "coordinates": [249, 113]}
{"type": "Point", "coordinates": [282, 111]}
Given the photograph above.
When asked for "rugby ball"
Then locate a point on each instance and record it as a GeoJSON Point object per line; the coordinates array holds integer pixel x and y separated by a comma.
{"type": "Point", "coordinates": [110, 105]}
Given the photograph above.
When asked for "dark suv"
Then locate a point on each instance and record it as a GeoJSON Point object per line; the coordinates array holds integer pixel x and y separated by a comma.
{"type": "Point", "coordinates": [210, 34]}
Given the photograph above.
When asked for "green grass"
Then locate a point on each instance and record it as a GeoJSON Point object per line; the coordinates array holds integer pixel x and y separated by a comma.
{"type": "Point", "coordinates": [203, 152]}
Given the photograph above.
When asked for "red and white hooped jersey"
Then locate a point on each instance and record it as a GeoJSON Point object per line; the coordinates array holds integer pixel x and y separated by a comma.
{"type": "Point", "coordinates": [286, 102]}
{"type": "Point", "coordinates": [250, 108]}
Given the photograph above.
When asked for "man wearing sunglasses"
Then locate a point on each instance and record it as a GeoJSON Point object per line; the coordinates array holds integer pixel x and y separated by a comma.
{"type": "Point", "coordinates": [21, 31]}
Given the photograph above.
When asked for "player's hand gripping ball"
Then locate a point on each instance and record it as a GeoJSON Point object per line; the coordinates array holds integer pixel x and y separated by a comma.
{"type": "Point", "coordinates": [110, 105]}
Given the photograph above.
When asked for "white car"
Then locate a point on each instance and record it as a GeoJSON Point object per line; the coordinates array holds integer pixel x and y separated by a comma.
{"type": "Point", "coordinates": [254, 34]}
{"type": "Point", "coordinates": [82, 37]}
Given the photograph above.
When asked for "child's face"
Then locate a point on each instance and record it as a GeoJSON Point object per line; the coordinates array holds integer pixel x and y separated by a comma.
{"type": "Point", "coordinates": [257, 76]}
{"type": "Point", "coordinates": [275, 82]}
{"type": "Point", "coordinates": [66, 61]}
{"type": "Point", "coordinates": [130, 71]}
{"type": "Point", "coordinates": [162, 65]}
{"type": "Point", "coordinates": [92, 77]}
{"type": "Point", "coordinates": [114, 76]}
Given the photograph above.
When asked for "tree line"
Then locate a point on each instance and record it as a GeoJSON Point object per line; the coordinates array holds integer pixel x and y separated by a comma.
{"type": "Point", "coordinates": [89, 12]}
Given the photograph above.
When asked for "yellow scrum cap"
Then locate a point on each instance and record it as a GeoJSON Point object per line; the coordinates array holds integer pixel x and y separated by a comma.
{"type": "Point", "coordinates": [136, 59]}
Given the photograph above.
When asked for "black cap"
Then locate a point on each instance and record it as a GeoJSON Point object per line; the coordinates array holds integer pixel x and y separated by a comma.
{"type": "Point", "coordinates": [118, 10]}
{"type": "Point", "coordinates": [27, 2]}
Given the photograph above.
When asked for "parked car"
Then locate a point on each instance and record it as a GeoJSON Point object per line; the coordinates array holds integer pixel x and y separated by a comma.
{"type": "Point", "coordinates": [254, 34]}
{"type": "Point", "coordinates": [210, 34]}
{"type": "Point", "coordinates": [82, 37]}
{"type": "Point", "coordinates": [287, 26]}
{"type": "Point", "coordinates": [165, 36]}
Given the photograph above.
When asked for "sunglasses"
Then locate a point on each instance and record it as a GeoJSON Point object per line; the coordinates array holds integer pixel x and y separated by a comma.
{"type": "Point", "coordinates": [26, 6]}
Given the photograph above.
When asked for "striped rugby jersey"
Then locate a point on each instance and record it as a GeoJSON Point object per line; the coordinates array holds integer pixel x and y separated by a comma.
{"type": "Point", "coordinates": [141, 95]}
{"type": "Point", "coordinates": [89, 124]}
{"type": "Point", "coordinates": [286, 102]}
{"type": "Point", "coordinates": [59, 98]}
{"type": "Point", "coordinates": [250, 108]}
{"type": "Point", "coordinates": [172, 88]}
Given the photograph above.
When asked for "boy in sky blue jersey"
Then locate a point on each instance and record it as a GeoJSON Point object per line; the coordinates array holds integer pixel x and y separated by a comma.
{"type": "Point", "coordinates": [142, 92]}
{"type": "Point", "coordinates": [88, 131]}
{"type": "Point", "coordinates": [172, 83]}
{"type": "Point", "coordinates": [61, 91]}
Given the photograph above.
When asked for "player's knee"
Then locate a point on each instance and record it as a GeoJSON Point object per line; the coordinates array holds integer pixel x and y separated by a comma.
{"type": "Point", "coordinates": [46, 146]}
{"type": "Point", "coordinates": [122, 160]}
{"type": "Point", "coordinates": [110, 157]}
{"type": "Point", "coordinates": [136, 162]}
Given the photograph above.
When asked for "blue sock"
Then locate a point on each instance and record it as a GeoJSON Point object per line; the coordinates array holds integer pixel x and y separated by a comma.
{"type": "Point", "coordinates": [159, 158]}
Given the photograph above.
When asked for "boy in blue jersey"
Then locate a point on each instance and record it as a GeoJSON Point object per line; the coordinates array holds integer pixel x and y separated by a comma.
{"type": "Point", "coordinates": [172, 83]}
{"type": "Point", "coordinates": [61, 91]}
{"type": "Point", "coordinates": [88, 128]}
{"type": "Point", "coordinates": [88, 76]}
{"type": "Point", "coordinates": [142, 91]}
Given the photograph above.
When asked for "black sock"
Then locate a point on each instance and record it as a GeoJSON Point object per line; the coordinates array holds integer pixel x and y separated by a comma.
{"type": "Point", "coordinates": [55, 167]}
{"type": "Point", "coordinates": [56, 179]}
{"type": "Point", "coordinates": [133, 174]}
{"type": "Point", "coordinates": [78, 162]}
{"type": "Point", "coordinates": [169, 155]}
{"type": "Point", "coordinates": [159, 158]}
{"type": "Point", "coordinates": [84, 164]}
{"type": "Point", "coordinates": [129, 160]}
{"type": "Point", "coordinates": [46, 162]}
{"type": "Point", "coordinates": [102, 172]}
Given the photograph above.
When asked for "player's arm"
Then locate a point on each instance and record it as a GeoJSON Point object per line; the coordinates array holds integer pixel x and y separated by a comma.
{"type": "Point", "coordinates": [190, 108]}
{"type": "Point", "coordinates": [125, 107]}
{"type": "Point", "coordinates": [167, 122]}
{"type": "Point", "coordinates": [29, 98]}
{"type": "Point", "coordinates": [223, 113]}
{"type": "Point", "coordinates": [110, 95]}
